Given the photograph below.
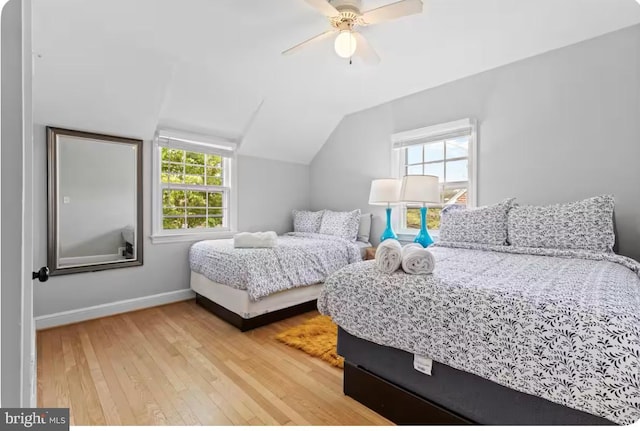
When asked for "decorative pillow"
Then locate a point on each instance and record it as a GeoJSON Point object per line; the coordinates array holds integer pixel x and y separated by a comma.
{"type": "Point", "coordinates": [341, 224]}
{"type": "Point", "coordinates": [307, 221]}
{"type": "Point", "coordinates": [364, 230]}
{"type": "Point", "coordinates": [583, 225]}
{"type": "Point", "coordinates": [483, 225]}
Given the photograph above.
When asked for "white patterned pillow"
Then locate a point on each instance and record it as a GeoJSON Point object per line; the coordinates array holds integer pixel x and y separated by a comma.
{"type": "Point", "coordinates": [582, 225]}
{"type": "Point", "coordinates": [483, 225]}
{"type": "Point", "coordinates": [307, 221]}
{"type": "Point", "coordinates": [341, 224]}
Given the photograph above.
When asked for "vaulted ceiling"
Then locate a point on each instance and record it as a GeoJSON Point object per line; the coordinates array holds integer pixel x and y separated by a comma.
{"type": "Point", "coordinates": [125, 66]}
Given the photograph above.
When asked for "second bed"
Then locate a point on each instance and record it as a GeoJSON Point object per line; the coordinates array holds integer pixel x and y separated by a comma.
{"type": "Point", "coordinates": [253, 287]}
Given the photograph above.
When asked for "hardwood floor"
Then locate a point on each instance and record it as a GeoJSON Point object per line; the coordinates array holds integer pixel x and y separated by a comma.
{"type": "Point", "coordinates": [180, 365]}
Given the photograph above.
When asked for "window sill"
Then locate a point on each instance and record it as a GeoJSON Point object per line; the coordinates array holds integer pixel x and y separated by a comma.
{"type": "Point", "coordinates": [165, 238]}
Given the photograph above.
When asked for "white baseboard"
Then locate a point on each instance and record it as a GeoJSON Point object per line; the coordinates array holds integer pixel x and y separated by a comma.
{"type": "Point", "coordinates": [103, 310]}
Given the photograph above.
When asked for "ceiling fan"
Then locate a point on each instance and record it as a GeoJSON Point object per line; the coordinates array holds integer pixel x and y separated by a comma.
{"type": "Point", "coordinates": [345, 16]}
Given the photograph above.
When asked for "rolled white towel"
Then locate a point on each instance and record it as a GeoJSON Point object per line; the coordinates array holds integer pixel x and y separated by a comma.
{"type": "Point", "coordinates": [418, 261]}
{"type": "Point", "coordinates": [389, 256]}
{"type": "Point", "coordinates": [407, 247]}
{"type": "Point", "coordinates": [255, 239]}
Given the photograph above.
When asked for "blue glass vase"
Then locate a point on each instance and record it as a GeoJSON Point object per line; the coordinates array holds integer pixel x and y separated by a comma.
{"type": "Point", "coordinates": [423, 238]}
{"type": "Point", "coordinates": [388, 232]}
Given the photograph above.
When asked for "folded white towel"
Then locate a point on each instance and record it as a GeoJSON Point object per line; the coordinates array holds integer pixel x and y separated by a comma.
{"type": "Point", "coordinates": [418, 261]}
{"type": "Point", "coordinates": [255, 240]}
{"type": "Point", "coordinates": [389, 256]}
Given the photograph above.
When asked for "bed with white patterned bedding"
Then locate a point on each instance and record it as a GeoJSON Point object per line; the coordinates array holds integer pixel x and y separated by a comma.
{"type": "Point", "coordinates": [299, 259]}
{"type": "Point", "coordinates": [563, 325]}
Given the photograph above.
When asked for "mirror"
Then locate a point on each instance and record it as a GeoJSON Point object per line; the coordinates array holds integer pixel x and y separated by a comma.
{"type": "Point", "coordinates": [94, 201]}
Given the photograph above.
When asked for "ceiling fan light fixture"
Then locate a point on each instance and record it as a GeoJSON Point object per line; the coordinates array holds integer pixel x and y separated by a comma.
{"type": "Point", "coordinates": [345, 44]}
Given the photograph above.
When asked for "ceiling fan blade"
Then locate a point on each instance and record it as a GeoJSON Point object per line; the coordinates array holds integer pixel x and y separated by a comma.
{"type": "Point", "coordinates": [301, 45]}
{"type": "Point", "coordinates": [364, 50]}
{"type": "Point", "coordinates": [392, 11]}
{"type": "Point", "coordinates": [324, 7]}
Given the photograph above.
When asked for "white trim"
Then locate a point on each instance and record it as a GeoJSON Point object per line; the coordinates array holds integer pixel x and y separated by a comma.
{"type": "Point", "coordinates": [28, 365]}
{"type": "Point", "coordinates": [190, 141]}
{"type": "Point", "coordinates": [438, 129]}
{"type": "Point", "coordinates": [193, 236]}
{"type": "Point", "coordinates": [473, 165]}
{"type": "Point", "coordinates": [103, 310]}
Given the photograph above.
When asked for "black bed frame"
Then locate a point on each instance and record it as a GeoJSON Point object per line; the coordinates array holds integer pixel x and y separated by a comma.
{"type": "Point", "coordinates": [254, 322]}
{"type": "Point", "coordinates": [393, 402]}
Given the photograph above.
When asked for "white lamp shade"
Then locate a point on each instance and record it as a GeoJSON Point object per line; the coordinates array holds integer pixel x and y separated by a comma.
{"type": "Point", "coordinates": [424, 189]}
{"type": "Point", "coordinates": [384, 191]}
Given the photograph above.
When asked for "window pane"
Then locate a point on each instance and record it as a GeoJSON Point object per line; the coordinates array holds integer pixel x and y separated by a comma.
{"type": "Point", "coordinates": [216, 211]}
{"type": "Point", "coordinates": [413, 218]}
{"type": "Point", "coordinates": [197, 211]}
{"type": "Point", "coordinates": [213, 160]}
{"type": "Point", "coordinates": [196, 199]}
{"type": "Point", "coordinates": [172, 167]}
{"type": "Point", "coordinates": [458, 171]}
{"type": "Point", "coordinates": [214, 221]}
{"type": "Point", "coordinates": [195, 158]}
{"type": "Point", "coordinates": [194, 179]}
{"type": "Point", "coordinates": [456, 196]}
{"type": "Point", "coordinates": [434, 152]}
{"type": "Point", "coordinates": [458, 148]}
{"type": "Point", "coordinates": [213, 180]}
{"type": "Point", "coordinates": [215, 200]}
{"type": "Point", "coordinates": [195, 170]}
{"type": "Point", "coordinates": [174, 198]}
{"type": "Point", "coordinates": [433, 218]}
{"type": "Point", "coordinates": [213, 171]}
{"type": "Point", "coordinates": [196, 222]}
{"type": "Point", "coordinates": [414, 154]}
{"type": "Point", "coordinates": [172, 211]}
{"type": "Point", "coordinates": [172, 155]}
{"type": "Point", "coordinates": [436, 169]}
{"type": "Point", "coordinates": [172, 223]}
{"type": "Point", "coordinates": [172, 178]}
{"type": "Point", "coordinates": [414, 170]}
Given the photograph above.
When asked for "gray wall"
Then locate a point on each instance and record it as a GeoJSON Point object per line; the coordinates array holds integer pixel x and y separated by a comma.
{"type": "Point", "coordinates": [99, 179]}
{"type": "Point", "coordinates": [268, 191]}
{"type": "Point", "coordinates": [11, 220]}
{"type": "Point", "coordinates": [557, 127]}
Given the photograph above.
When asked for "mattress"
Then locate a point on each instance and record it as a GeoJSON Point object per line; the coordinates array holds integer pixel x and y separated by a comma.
{"type": "Point", "coordinates": [465, 394]}
{"type": "Point", "coordinates": [238, 301]}
{"type": "Point", "coordinates": [298, 259]}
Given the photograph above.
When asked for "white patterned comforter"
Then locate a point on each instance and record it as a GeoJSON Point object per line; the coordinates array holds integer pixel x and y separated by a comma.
{"type": "Point", "coordinates": [560, 325]}
{"type": "Point", "coordinates": [299, 259]}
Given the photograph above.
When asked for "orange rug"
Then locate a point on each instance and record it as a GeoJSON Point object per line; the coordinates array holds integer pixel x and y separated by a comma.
{"type": "Point", "coordinates": [317, 337]}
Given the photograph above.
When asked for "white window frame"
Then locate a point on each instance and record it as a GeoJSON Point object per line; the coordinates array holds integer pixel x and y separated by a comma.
{"type": "Point", "coordinates": [201, 144]}
{"type": "Point", "coordinates": [399, 143]}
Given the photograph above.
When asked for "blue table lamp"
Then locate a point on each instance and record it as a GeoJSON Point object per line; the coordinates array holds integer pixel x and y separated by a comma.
{"type": "Point", "coordinates": [385, 192]}
{"type": "Point", "coordinates": [422, 189]}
